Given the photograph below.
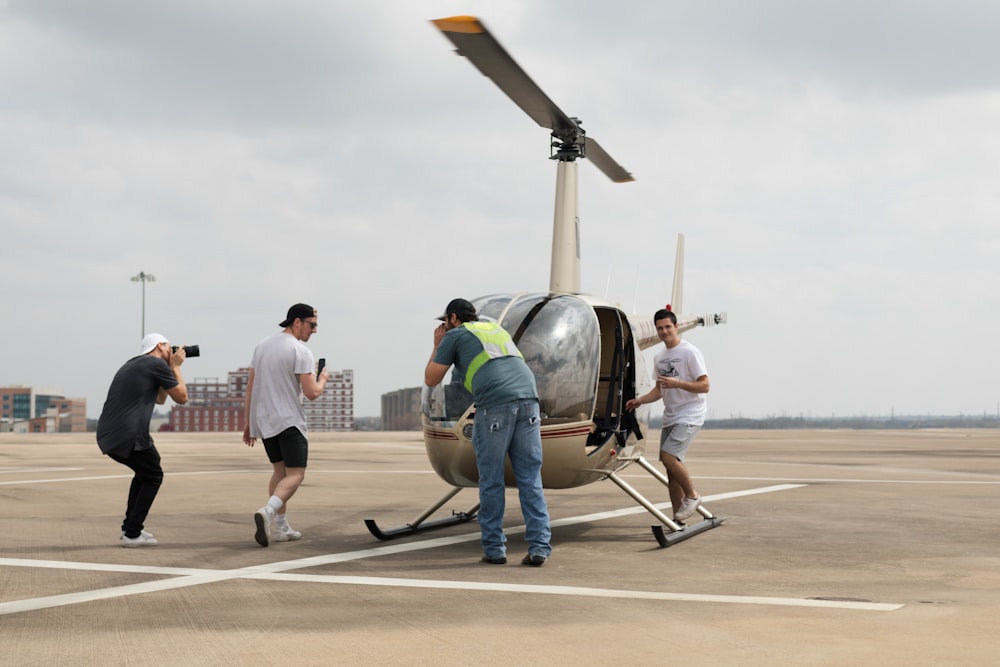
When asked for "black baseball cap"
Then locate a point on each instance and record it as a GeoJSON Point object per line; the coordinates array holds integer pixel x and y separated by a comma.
{"type": "Point", "coordinates": [300, 311]}
{"type": "Point", "coordinates": [464, 309]}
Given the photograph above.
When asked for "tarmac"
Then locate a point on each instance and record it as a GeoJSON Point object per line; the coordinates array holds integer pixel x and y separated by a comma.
{"type": "Point", "coordinates": [838, 547]}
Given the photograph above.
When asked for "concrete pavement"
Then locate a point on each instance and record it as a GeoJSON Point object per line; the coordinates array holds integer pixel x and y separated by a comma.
{"type": "Point", "coordinates": [839, 547]}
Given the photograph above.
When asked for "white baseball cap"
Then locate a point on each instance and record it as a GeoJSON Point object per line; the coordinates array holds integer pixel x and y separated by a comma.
{"type": "Point", "coordinates": [151, 341]}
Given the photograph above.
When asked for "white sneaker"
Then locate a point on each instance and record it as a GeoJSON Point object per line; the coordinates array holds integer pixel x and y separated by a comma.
{"type": "Point", "coordinates": [264, 517]}
{"type": "Point", "coordinates": [141, 541]}
{"type": "Point", "coordinates": [687, 508]}
{"type": "Point", "coordinates": [144, 534]}
{"type": "Point", "coordinates": [286, 533]}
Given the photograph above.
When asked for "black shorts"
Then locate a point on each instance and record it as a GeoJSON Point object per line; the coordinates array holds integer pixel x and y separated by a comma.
{"type": "Point", "coordinates": [289, 447]}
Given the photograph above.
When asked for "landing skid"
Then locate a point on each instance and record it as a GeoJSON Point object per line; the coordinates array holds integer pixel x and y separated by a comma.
{"type": "Point", "coordinates": [666, 539]}
{"type": "Point", "coordinates": [420, 523]}
{"type": "Point", "coordinates": [678, 532]}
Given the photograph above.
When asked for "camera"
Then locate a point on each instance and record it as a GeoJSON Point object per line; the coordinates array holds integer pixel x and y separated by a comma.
{"type": "Point", "coordinates": [189, 350]}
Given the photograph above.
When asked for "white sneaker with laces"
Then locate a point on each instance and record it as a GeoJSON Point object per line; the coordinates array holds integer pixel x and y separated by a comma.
{"type": "Point", "coordinates": [286, 533]}
{"type": "Point", "coordinates": [687, 508]}
{"type": "Point", "coordinates": [141, 541]}
{"type": "Point", "coordinates": [264, 517]}
{"type": "Point", "coordinates": [144, 534]}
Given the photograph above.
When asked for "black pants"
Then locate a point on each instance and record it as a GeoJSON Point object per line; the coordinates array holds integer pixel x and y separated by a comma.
{"type": "Point", "coordinates": [145, 485]}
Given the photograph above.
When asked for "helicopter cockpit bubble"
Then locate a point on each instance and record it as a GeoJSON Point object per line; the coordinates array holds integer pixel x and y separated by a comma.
{"type": "Point", "coordinates": [559, 337]}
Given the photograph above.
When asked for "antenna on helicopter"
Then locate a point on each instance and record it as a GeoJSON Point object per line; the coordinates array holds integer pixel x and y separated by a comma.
{"type": "Point", "coordinates": [635, 295]}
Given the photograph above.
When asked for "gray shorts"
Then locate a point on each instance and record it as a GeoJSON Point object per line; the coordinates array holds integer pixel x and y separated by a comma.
{"type": "Point", "coordinates": [289, 447]}
{"type": "Point", "coordinates": [676, 439]}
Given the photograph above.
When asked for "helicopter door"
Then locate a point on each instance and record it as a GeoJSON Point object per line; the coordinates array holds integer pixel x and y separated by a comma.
{"type": "Point", "coordinates": [616, 381]}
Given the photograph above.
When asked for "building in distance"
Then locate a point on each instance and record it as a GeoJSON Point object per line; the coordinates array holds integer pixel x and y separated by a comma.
{"type": "Point", "coordinates": [31, 410]}
{"type": "Point", "coordinates": [401, 409]}
{"type": "Point", "coordinates": [219, 406]}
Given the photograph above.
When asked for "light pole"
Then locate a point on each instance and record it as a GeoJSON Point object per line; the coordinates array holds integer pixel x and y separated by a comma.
{"type": "Point", "coordinates": [144, 278]}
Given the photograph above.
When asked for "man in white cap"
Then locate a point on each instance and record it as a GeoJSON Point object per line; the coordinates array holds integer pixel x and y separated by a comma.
{"type": "Point", "coordinates": [123, 428]}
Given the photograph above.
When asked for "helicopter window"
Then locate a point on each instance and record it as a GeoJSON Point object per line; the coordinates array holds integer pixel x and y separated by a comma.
{"type": "Point", "coordinates": [447, 401]}
{"type": "Point", "coordinates": [560, 339]}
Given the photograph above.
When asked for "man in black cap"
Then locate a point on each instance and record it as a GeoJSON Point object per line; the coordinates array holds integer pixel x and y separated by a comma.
{"type": "Point", "coordinates": [507, 423]}
{"type": "Point", "coordinates": [281, 371]}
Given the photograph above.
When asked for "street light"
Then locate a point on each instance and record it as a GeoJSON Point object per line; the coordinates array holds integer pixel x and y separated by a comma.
{"type": "Point", "coordinates": [144, 278]}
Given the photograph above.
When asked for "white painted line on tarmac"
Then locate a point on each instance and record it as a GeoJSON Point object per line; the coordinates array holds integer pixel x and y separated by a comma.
{"type": "Point", "coordinates": [102, 567]}
{"type": "Point", "coordinates": [638, 509]}
{"type": "Point", "coordinates": [64, 479]}
{"type": "Point", "coordinates": [199, 577]}
{"type": "Point", "coordinates": [583, 591]}
{"type": "Point", "coordinates": [186, 577]}
{"type": "Point", "coordinates": [433, 543]}
{"type": "Point", "coordinates": [32, 604]}
{"type": "Point", "coordinates": [842, 480]}
{"type": "Point", "coordinates": [794, 481]}
{"type": "Point", "coordinates": [130, 476]}
{"type": "Point", "coordinates": [209, 577]}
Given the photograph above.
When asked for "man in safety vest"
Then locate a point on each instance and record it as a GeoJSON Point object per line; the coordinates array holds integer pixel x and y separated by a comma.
{"type": "Point", "coordinates": [507, 423]}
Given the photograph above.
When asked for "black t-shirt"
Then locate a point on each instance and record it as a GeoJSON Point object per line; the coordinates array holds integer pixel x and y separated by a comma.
{"type": "Point", "coordinates": [124, 422]}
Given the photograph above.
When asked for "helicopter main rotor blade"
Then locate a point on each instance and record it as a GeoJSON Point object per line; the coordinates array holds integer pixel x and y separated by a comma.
{"type": "Point", "coordinates": [474, 41]}
{"type": "Point", "coordinates": [606, 163]}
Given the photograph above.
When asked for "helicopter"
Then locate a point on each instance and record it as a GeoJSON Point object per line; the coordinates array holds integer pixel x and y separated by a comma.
{"type": "Point", "coordinates": [585, 352]}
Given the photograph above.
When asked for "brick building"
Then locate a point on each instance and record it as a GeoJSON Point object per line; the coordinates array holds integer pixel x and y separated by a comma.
{"type": "Point", "coordinates": [30, 410]}
{"type": "Point", "coordinates": [218, 406]}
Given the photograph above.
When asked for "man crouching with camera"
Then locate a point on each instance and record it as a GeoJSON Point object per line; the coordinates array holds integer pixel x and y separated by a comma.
{"type": "Point", "coordinates": [123, 428]}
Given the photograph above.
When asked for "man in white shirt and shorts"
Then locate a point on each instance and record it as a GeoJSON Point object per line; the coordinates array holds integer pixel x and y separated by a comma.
{"type": "Point", "coordinates": [281, 373]}
{"type": "Point", "coordinates": [682, 383]}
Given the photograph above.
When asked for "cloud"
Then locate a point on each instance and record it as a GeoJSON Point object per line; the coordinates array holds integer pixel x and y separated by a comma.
{"type": "Point", "coordinates": [831, 166]}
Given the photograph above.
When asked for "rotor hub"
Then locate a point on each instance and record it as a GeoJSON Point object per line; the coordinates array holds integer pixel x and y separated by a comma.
{"type": "Point", "coordinates": [569, 142]}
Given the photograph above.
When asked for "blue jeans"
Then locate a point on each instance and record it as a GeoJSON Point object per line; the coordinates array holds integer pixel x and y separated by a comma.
{"type": "Point", "coordinates": [511, 429]}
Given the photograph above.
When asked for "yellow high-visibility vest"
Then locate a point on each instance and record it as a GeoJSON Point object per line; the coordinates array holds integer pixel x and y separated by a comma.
{"type": "Point", "coordinates": [496, 343]}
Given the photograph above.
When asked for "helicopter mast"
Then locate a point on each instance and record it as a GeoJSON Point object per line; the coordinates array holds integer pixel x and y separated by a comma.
{"type": "Point", "coordinates": [569, 140]}
{"type": "Point", "coordinates": [564, 275]}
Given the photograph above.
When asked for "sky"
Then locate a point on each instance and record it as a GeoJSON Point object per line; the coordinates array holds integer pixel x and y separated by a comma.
{"type": "Point", "coordinates": [832, 165]}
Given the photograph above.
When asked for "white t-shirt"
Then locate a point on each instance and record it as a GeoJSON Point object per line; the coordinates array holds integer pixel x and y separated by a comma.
{"type": "Point", "coordinates": [276, 401]}
{"type": "Point", "coordinates": [683, 361]}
